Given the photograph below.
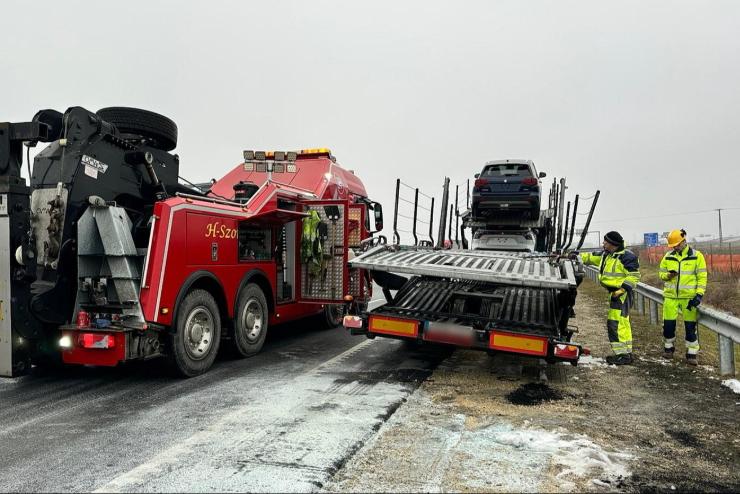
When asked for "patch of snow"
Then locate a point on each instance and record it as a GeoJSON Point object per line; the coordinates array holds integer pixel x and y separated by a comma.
{"type": "Point", "coordinates": [654, 360]}
{"type": "Point", "coordinates": [590, 361]}
{"type": "Point", "coordinates": [576, 455]}
{"type": "Point", "coordinates": [733, 384]}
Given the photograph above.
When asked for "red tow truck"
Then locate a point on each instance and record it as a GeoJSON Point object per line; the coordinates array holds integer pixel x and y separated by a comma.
{"type": "Point", "coordinates": [163, 269]}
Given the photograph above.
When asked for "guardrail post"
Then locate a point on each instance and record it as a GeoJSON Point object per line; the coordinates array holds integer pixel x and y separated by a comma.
{"type": "Point", "coordinates": [726, 356]}
{"type": "Point", "coordinates": [653, 312]}
{"type": "Point", "coordinates": [641, 303]}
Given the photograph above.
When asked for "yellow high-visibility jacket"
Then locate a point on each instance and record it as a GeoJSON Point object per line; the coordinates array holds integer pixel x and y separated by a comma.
{"type": "Point", "coordinates": [691, 279]}
{"type": "Point", "coordinates": [617, 270]}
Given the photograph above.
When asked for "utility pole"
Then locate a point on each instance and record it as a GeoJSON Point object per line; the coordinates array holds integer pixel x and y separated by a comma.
{"type": "Point", "coordinates": [719, 216]}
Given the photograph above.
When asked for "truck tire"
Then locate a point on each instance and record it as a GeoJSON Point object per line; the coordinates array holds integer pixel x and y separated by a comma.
{"type": "Point", "coordinates": [194, 345]}
{"type": "Point", "coordinates": [250, 321]}
{"type": "Point", "coordinates": [332, 316]}
{"type": "Point", "coordinates": [159, 128]}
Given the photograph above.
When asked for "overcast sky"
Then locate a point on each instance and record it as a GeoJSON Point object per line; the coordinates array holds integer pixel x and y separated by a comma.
{"type": "Point", "coordinates": [640, 100]}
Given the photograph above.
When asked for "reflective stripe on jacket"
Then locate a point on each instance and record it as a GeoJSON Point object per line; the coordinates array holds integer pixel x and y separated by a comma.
{"type": "Point", "coordinates": [616, 269]}
{"type": "Point", "coordinates": [691, 279]}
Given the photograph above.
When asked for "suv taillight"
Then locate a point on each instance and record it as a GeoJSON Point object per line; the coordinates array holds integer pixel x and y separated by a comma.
{"type": "Point", "coordinates": [479, 182]}
{"type": "Point", "coordinates": [529, 181]}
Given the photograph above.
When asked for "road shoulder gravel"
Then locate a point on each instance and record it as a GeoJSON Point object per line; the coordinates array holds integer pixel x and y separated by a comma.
{"type": "Point", "coordinates": [655, 426]}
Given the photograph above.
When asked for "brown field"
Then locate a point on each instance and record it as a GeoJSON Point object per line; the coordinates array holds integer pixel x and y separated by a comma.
{"type": "Point", "coordinates": [723, 289]}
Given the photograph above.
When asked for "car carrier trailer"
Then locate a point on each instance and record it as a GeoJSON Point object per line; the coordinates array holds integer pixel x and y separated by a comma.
{"type": "Point", "coordinates": [493, 300]}
{"type": "Point", "coordinates": [496, 301]}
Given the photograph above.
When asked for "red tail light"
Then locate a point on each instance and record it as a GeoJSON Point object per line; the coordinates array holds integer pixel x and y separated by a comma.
{"type": "Point", "coordinates": [566, 351]}
{"type": "Point", "coordinates": [480, 182]}
{"type": "Point", "coordinates": [97, 340]}
{"type": "Point", "coordinates": [352, 322]}
{"type": "Point", "coordinates": [529, 181]}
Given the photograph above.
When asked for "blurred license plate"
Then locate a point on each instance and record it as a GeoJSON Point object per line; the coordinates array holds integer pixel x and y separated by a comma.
{"type": "Point", "coordinates": [501, 240]}
{"type": "Point", "coordinates": [452, 334]}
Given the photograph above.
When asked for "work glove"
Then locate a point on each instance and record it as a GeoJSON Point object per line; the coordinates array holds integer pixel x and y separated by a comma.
{"type": "Point", "coordinates": [618, 293]}
{"type": "Point", "coordinates": [694, 302]}
{"type": "Point", "coordinates": [574, 254]}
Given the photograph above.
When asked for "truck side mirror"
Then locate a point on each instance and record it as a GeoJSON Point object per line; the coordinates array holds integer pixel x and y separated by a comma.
{"type": "Point", "coordinates": [378, 213]}
{"type": "Point", "coordinates": [477, 175]}
{"type": "Point", "coordinates": [542, 174]}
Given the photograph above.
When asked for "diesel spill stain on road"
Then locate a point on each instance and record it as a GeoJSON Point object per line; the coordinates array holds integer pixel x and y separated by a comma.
{"type": "Point", "coordinates": [531, 394]}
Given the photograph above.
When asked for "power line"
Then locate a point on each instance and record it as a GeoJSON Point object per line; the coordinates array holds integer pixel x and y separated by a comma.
{"type": "Point", "coordinates": [663, 215]}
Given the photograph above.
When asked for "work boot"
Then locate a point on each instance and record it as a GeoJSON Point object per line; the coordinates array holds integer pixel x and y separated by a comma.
{"type": "Point", "coordinates": [668, 353]}
{"type": "Point", "coordinates": [621, 359]}
{"type": "Point", "coordinates": [691, 359]}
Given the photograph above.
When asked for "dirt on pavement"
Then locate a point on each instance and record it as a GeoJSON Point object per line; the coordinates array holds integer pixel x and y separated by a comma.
{"type": "Point", "coordinates": [492, 424]}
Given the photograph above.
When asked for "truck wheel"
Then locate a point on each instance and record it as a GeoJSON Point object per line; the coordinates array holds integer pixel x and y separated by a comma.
{"type": "Point", "coordinates": [197, 334]}
{"type": "Point", "coordinates": [333, 316]}
{"type": "Point", "coordinates": [144, 123]}
{"type": "Point", "coordinates": [250, 323]}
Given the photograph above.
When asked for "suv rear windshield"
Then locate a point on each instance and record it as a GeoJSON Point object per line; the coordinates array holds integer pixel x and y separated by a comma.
{"type": "Point", "coordinates": [507, 170]}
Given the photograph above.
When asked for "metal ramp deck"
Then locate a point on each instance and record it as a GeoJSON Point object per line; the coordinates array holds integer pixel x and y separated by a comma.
{"type": "Point", "coordinates": [506, 268]}
{"type": "Point", "coordinates": [472, 303]}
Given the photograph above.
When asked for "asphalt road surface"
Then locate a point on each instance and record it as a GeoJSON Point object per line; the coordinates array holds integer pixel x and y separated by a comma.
{"type": "Point", "coordinates": [284, 420]}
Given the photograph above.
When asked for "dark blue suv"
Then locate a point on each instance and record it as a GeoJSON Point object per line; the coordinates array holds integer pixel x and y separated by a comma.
{"type": "Point", "coordinates": [507, 186]}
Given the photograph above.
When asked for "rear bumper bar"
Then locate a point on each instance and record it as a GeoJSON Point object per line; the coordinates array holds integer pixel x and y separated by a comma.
{"type": "Point", "coordinates": [521, 342]}
{"type": "Point", "coordinates": [506, 202]}
{"type": "Point", "coordinates": [108, 346]}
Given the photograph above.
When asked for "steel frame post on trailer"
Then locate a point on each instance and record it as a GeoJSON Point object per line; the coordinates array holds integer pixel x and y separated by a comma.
{"type": "Point", "coordinates": [561, 205]}
{"type": "Point", "coordinates": [555, 191]}
{"type": "Point", "coordinates": [565, 225]}
{"type": "Point", "coordinates": [457, 218]}
{"type": "Point", "coordinates": [431, 222]}
{"type": "Point", "coordinates": [416, 206]}
{"type": "Point", "coordinates": [572, 224]}
{"type": "Point", "coordinates": [443, 212]}
{"type": "Point", "coordinates": [449, 228]}
{"type": "Point", "coordinates": [467, 199]}
{"type": "Point", "coordinates": [588, 220]}
{"type": "Point", "coordinates": [396, 236]}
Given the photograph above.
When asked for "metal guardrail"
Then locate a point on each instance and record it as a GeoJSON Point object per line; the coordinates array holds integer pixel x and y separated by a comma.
{"type": "Point", "coordinates": [649, 299]}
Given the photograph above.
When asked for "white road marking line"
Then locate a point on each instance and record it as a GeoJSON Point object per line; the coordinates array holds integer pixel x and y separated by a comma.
{"type": "Point", "coordinates": [341, 356]}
